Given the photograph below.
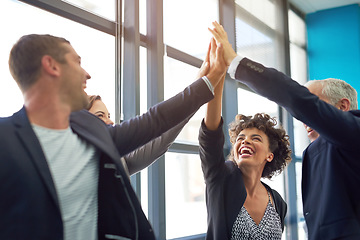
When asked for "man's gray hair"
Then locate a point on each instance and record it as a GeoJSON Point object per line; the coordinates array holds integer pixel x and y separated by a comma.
{"type": "Point", "coordinates": [335, 89]}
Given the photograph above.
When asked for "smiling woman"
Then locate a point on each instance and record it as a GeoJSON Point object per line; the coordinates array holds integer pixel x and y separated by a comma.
{"type": "Point", "coordinates": [240, 205]}
{"type": "Point", "coordinates": [259, 131]}
{"type": "Point", "coordinates": [259, 151]}
{"type": "Point", "coordinates": [99, 109]}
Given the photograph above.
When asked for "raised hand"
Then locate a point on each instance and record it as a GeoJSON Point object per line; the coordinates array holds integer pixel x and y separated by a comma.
{"type": "Point", "coordinates": [217, 64]}
{"type": "Point", "coordinates": [205, 66]}
{"type": "Point", "coordinates": [221, 37]}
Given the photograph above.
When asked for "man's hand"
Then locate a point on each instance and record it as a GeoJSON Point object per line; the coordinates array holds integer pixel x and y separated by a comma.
{"type": "Point", "coordinates": [221, 38]}
{"type": "Point", "coordinates": [217, 64]}
{"type": "Point", "coordinates": [205, 66]}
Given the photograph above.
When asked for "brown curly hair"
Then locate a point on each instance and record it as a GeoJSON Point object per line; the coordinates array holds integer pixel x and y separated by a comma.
{"type": "Point", "coordinates": [279, 143]}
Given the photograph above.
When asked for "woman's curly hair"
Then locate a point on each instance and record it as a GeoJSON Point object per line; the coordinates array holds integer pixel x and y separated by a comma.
{"type": "Point", "coordinates": [279, 143]}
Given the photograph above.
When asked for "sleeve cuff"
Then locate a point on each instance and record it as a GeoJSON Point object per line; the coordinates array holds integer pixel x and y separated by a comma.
{"type": "Point", "coordinates": [208, 83]}
{"type": "Point", "coordinates": [233, 66]}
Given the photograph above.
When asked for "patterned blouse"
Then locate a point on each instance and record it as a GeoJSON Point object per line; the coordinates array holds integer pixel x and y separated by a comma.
{"type": "Point", "coordinates": [269, 227]}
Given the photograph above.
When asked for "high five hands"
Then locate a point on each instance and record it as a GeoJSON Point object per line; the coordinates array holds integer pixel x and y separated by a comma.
{"type": "Point", "coordinates": [219, 56]}
{"type": "Point", "coordinates": [222, 39]}
{"type": "Point", "coordinates": [214, 66]}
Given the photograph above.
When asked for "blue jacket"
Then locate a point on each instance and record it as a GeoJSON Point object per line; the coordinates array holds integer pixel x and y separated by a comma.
{"type": "Point", "coordinates": [331, 164]}
{"type": "Point", "coordinates": [29, 206]}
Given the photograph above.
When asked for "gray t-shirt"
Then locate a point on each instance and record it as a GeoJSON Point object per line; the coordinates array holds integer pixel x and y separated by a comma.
{"type": "Point", "coordinates": [74, 167]}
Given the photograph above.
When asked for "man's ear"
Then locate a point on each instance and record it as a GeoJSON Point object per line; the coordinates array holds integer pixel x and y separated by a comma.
{"type": "Point", "coordinates": [343, 104]}
{"type": "Point", "coordinates": [50, 65]}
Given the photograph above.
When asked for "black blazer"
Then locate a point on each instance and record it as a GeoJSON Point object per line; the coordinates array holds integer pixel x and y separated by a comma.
{"type": "Point", "coordinates": [225, 189]}
{"type": "Point", "coordinates": [331, 164]}
{"type": "Point", "coordinates": [29, 206]}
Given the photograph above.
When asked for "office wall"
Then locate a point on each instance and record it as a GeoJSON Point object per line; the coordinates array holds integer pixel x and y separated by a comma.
{"type": "Point", "coordinates": [334, 44]}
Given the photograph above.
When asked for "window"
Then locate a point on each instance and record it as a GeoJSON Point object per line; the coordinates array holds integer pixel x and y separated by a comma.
{"type": "Point", "coordinates": [103, 8]}
{"type": "Point", "coordinates": [266, 13]}
{"type": "Point", "coordinates": [256, 32]}
{"type": "Point", "coordinates": [185, 195]}
{"type": "Point", "coordinates": [298, 60]}
{"type": "Point", "coordinates": [302, 232]}
{"type": "Point", "coordinates": [174, 83]}
{"type": "Point", "coordinates": [184, 183]}
{"type": "Point", "coordinates": [95, 48]}
{"type": "Point", "coordinates": [186, 22]}
{"type": "Point", "coordinates": [250, 103]}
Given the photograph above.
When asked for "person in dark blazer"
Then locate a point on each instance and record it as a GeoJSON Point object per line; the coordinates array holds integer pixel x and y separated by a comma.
{"type": "Point", "coordinates": [61, 174]}
{"type": "Point", "coordinates": [336, 92]}
{"type": "Point", "coordinates": [239, 204]}
{"type": "Point", "coordinates": [331, 166]}
{"type": "Point", "coordinates": [145, 155]}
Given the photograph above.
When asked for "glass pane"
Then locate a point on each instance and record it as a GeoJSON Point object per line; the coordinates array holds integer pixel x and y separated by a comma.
{"type": "Point", "coordinates": [301, 220]}
{"type": "Point", "coordinates": [297, 29]}
{"type": "Point", "coordinates": [250, 103]}
{"type": "Point", "coordinates": [98, 62]}
{"type": "Point", "coordinates": [298, 64]}
{"type": "Point", "coordinates": [300, 138]}
{"type": "Point", "coordinates": [104, 8]}
{"type": "Point", "coordinates": [143, 80]}
{"type": "Point", "coordinates": [254, 44]}
{"type": "Point", "coordinates": [185, 195]}
{"type": "Point", "coordinates": [142, 17]}
{"type": "Point", "coordinates": [179, 75]}
{"type": "Point", "coordinates": [143, 108]}
{"type": "Point", "coordinates": [186, 23]}
{"type": "Point", "coordinates": [265, 13]}
{"type": "Point", "coordinates": [277, 183]}
{"type": "Point", "coordinates": [144, 191]}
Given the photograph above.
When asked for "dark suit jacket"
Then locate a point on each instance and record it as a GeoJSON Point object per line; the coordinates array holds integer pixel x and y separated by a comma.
{"type": "Point", "coordinates": [29, 206]}
{"type": "Point", "coordinates": [150, 152]}
{"type": "Point", "coordinates": [331, 164]}
{"type": "Point", "coordinates": [225, 189]}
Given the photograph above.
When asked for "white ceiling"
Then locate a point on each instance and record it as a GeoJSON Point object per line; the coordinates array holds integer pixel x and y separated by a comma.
{"type": "Point", "coordinates": [309, 6]}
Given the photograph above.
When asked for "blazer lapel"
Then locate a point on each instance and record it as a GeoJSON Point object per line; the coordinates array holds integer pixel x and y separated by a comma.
{"type": "Point", "coordinates": [28, 138]}
{"type": "Point", "coordinates": [93, 130]}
